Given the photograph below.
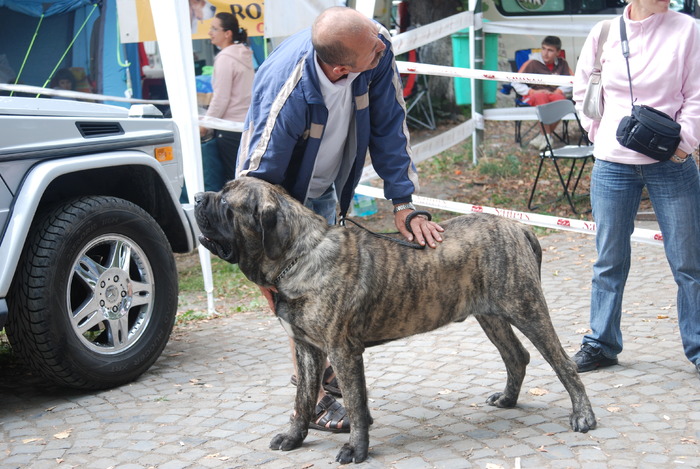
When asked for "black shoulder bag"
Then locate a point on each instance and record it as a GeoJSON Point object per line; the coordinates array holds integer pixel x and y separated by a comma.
{"type": "Point", "coordinates": [648, 130]}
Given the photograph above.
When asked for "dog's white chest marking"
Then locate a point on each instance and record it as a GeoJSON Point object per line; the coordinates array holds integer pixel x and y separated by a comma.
{"type": "Point", "coordinates": [290, 331]}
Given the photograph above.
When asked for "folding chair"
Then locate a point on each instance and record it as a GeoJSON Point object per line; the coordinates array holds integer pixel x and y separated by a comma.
{"type": "Point", "coordinates": [583, 152]}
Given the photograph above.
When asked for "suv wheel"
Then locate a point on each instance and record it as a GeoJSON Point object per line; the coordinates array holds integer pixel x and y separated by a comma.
{"type": "Point", "coordinates": [94, 300]}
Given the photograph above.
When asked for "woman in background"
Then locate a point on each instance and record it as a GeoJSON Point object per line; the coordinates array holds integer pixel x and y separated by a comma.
{"type": "Point", "coordinates": [232, 84]}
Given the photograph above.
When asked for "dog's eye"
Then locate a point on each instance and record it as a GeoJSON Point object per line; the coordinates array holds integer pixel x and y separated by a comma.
{"type": "Point", "coordinates": [223, 201]}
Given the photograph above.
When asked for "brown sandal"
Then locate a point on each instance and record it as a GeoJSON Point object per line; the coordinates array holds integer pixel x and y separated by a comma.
{"type": "Point", "coordinates": [330, 416]}
{"type": "Point", "coordinates": [331, 387]}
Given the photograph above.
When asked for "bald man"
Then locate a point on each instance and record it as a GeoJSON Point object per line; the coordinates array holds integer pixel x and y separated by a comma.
{"type": "Point", "coordinates": [322, 100]}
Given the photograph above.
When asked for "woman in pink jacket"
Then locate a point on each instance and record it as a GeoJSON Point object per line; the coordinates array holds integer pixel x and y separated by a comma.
{"type": "Point", "coordinates": [232, 83]}
{"type": "Point", "coordinates": [664, 66]}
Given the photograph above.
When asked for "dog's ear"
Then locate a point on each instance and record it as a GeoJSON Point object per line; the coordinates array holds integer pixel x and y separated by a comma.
{"type": "Point", "coordinates": [275, 232]}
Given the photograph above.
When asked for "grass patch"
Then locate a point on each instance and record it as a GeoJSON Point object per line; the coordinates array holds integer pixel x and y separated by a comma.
{"type": "Point", "coordinates": [500, 168]}
{"type": "Point", "coordinates": [228, 279]}
{"type": "Point", "coordinates": [230, 286]}
{"type": "Point", "coordinates": [443, 163]}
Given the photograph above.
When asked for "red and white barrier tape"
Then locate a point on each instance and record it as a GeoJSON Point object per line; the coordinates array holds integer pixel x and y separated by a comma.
{"type": "Point", "coordinates": [546, 221]}
{"type": "Point", "coordinates": [459, 72]}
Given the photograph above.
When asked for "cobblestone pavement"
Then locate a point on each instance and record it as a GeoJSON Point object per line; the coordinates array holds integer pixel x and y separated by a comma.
{"type": "Point", "coordinates": [221, 391]}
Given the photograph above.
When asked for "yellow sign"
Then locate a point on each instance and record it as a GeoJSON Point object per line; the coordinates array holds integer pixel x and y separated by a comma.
{"type": "Point", "coordinates": [249, 13]}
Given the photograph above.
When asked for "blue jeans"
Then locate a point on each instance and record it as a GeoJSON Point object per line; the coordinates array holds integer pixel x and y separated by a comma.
{"type": "Point", "coordinates": [616, 190]}
{"type": "Point", "coordinates": [324, 205]}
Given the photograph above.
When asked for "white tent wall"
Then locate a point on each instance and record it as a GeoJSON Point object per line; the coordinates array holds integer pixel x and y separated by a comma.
{"type": "Point", "coordinates": [284, 17]}
{"type": "Point", "coordinates": [172, 23]}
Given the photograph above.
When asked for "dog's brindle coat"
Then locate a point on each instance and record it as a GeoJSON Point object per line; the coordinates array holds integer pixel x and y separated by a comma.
{"type": "Point", "coordinates": [340, 289]}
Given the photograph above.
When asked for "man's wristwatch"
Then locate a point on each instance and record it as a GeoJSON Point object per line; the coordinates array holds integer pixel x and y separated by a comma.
{"type": "Point", "coordinates": [677, 159]}
{"type": "Point", "coordinates": [398, 208]}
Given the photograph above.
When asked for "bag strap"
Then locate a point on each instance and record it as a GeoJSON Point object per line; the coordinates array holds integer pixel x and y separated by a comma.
{"type": "Point", "coordinates": [626, 52]}
{"type": "Point", "coordinates": [601, 40]}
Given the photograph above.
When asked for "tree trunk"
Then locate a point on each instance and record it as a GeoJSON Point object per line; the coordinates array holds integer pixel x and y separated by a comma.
{"type": "Point", "coordinates": [439, 52]}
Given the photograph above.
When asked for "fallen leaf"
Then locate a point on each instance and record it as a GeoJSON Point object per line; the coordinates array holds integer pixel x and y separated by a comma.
{"type": "Point", "coordinates": [493, 466]}
{"type": "Point", "coordinates": [583, 331]}
{"type": "Point", "coordinates": [541, 449]}
{"type": "Point", "coordinates": [662, 316]}
{"type": "Point", "coordinates": [444, 391]}
{"type": "Point", "coordinates": [538, 392]}
{"type": "Point", "coordinates": [307, 466]}
{"type": "Point", "coordinates": [666, 417]}
{"type": "Point", "coordinates": [63, 435]}
{"type": "Point", "coordinates": [613, 409]}
{"type": "Point", "coordinates": [31, 440]}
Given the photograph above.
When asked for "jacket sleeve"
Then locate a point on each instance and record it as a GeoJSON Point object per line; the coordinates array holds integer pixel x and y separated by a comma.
{"type": "Point", "coordinates": [272, 130]}
{"type": "Point", "coordinates": [567, 89]}
{"type": "Point", "coordinates": [521, 88]}
{"type": "Point", "coordinates": [689, 114]}
{"type": "Point", "coordinates": [389, 143]}
{"type": "Point", "coordinates": [584, 67]}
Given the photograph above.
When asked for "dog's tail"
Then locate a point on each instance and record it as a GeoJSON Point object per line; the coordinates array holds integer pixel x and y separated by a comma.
{"type": "Point", "coordinates": [536, 248]}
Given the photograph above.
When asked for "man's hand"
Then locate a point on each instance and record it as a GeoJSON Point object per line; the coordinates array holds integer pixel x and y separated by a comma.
{"type": "Point", "coordinates": [425, 231]}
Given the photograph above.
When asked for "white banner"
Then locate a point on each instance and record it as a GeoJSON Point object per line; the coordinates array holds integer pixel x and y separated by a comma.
{"type": "Point", "coordinates": [423, 35]}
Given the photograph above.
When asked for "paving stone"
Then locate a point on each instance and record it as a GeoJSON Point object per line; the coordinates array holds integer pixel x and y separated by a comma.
{"type": "Point", "coordinates": [426, 394]}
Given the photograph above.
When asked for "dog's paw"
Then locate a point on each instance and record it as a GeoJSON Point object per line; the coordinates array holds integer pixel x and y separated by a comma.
{"type": "Point", "coordinates": [285, 442]}
{"type": "Point", "coordinates": [499, 399]}
{"type": "Point", "coordinates": [582, 421]}
{"type": "Point", "coordinates": [349, 453]}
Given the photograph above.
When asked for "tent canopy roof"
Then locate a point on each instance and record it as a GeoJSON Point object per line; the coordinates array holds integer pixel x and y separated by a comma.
{"type": "Point", "coordinates": [45, 7]}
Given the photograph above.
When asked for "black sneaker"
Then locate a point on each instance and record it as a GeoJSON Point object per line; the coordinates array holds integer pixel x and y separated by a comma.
{"type": "Point", "coordinates": [589, 358]}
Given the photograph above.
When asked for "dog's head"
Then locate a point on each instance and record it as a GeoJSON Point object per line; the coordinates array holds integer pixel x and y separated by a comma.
{"type": "Point", "coordinates": [255, 224]}
{"type": "Point", "coordinates": [247, 213]}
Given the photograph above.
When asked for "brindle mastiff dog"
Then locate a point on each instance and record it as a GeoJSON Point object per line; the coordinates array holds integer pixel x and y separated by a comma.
{"type": "Point", "coordinates": [339, 290]}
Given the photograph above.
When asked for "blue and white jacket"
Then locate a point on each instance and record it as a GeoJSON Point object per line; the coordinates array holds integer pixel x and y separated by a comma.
{"type": "Point", "coordinates": [287, 116]}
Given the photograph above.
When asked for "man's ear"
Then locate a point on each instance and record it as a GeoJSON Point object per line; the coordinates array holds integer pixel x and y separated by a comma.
{"type": "Point", "coordinates": [341, 70]}
{"type": "Point", "coordinates": [275, 233]}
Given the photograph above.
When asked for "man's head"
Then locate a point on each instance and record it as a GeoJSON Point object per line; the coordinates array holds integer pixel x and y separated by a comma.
{"type": "Point", "coordinates": [346, 40]}
{"type": "Point", "coordinates": [551, 45]}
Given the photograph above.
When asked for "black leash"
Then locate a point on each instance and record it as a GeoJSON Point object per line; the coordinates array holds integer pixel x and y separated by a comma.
{"type": "Point", "coordinates": [402, 242]}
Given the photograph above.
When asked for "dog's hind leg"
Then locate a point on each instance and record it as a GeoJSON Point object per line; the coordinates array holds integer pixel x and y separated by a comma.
{"type": "Point", "coordinates": [350, 369]}
{"type": "Point", "coordinates": [310, 361]}
{"type": "Point", "coordinates": [514, 355]}
{"type": "Point", "coordinates": [539, 329]}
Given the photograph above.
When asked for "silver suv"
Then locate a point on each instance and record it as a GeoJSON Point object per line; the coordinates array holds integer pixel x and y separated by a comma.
{"type": "Point", "coordinates": [89, 219]}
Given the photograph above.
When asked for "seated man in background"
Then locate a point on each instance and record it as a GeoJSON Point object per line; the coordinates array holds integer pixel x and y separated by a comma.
{"type": "Point", "coordinates": [546, 62]}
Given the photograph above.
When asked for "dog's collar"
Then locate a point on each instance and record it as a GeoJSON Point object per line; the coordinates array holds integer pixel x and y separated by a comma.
{"type": "Point", "coordinates": [285, 271]}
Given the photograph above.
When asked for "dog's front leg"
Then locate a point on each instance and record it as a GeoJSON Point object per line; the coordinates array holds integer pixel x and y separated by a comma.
{"type": "Point", "coordinates": [310, 361]}
{"type": "Point", "coordinates": [350, 370]}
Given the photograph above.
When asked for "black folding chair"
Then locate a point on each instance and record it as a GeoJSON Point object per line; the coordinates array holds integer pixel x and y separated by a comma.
{"type": "Point", "coordinates": [583, 152]}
